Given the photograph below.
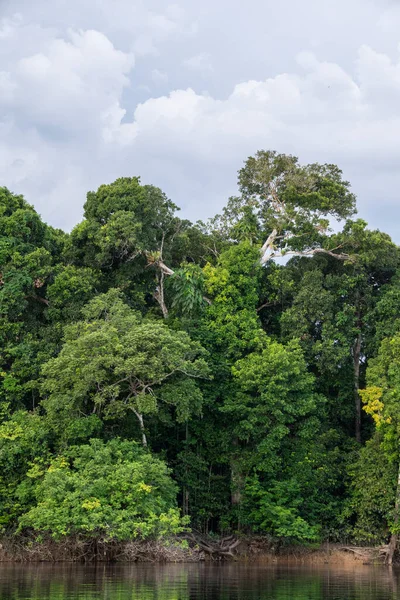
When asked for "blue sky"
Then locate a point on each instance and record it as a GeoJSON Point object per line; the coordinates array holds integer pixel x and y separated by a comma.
{"type": "Point", "coordinates": [182, 92]}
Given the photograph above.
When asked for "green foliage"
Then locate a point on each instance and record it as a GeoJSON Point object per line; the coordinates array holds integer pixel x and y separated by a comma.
{"type": "Point", "coordinates": [382, 401]}
{"type": "Point", "coordinates": [71, 288]}
{"type": "Point", "coordinates": [114, 361]}
{"type": "Point", "coordinates": [187, 290]}
{"type": "Point", "coordinates": [244, 375]}
{"type": "Point", "coordinates": [275, 390]}
{"type": "Point", "coordinates": [382, 395]}
{"type": "Point", "coordinates": [276, 511]}
{"type": "Point", "coordinates": [25, 443]}
{"type": "Point", "coordinates": [29, 250]}
{"type": "Point", "coordinates": [114, 491]}
{"type": "Point", "coordinates": [278, 194]}
{"type": "Point", "coordinates": [232, 285]}
{"type": "Point", "coordinates": [370, 505]}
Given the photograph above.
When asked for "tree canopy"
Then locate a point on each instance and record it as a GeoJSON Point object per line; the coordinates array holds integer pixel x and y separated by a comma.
{"type": "Point", "coordinates": [157, 374]}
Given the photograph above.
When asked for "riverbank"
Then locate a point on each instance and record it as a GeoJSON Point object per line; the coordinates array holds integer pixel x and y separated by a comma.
{"type": "Point", "coordinates": [180, 551]}
{"type": "Point", "coordinates": [78, 550]}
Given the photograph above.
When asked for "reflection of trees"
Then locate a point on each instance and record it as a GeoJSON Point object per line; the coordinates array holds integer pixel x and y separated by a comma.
{"type": "Point", "coordinates": [194, 582]}
{"type": "Point", "coordinates": [122, 582]}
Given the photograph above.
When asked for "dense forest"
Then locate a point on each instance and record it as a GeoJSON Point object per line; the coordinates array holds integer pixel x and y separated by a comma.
{"type": "Point", "coordinates": [240, 375]}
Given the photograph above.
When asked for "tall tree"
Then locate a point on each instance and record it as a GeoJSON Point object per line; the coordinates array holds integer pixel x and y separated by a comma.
{"type": "Point", "coordinates": [132, 234]}
{"type": "Point", "coordinates": [114, 362]}
{"type": "Point", "coordinates": [286, 207]}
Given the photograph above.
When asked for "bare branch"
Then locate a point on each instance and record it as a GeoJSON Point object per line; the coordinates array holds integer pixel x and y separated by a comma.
{"type": "Point", "coordinates": [312, 252]}
{"type": "Point", "coordinates": [266, 305]}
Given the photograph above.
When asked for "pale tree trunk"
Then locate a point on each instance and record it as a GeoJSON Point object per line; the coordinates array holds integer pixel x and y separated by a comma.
{"type": "Point", "coordinates": [357, 399]}
{"type": "Point", "coordinates": [267, 249]}
{"type": "Point", "coordinates": [159, 295]}
{"type": "Point", "coordinates": [394, 538]}
{"type": "Point", "coordinates": [141, 425]}
{"type": "Point", "coordinates": [164, 270]}
{"type": "Point", "coordinates": [236, 493]}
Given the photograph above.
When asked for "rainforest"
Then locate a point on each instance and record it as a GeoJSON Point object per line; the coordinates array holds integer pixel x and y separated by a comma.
{"type": "Point", "coordinates": [239, 376]}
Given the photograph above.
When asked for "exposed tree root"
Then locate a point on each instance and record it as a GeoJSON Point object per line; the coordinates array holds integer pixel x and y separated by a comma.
{"type": "Point", "coordinates": [221, 549]}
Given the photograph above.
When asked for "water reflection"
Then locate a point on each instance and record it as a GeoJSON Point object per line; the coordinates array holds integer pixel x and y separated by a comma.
{"type": "Point", "coordinates": [183, 582]}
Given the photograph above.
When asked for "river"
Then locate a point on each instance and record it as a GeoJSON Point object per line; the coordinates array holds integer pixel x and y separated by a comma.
{"type": "Point", "coordinates": [196, 581]}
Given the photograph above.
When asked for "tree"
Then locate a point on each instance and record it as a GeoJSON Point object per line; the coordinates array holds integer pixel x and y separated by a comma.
{"type": "Point", "coordinates": [69, 290]}
{"type": "Point", "coordinates": [332, 312]}
{"type": "Point", "coordinates": [262, 417]}
{"type": "Point", "coordinates": [132, 234]}
{"type": "Point", "coordinates": [111, 491]}
{"type": "Point", "coordinates": [114, 361]}
{"type": "Point", "coordinates": [287, 207]}
{"type": "Point", "coordinates": [243, 372]}
{"type": "Point", "coordinates": [274, 399]}
{"type": "Point", "coordinates": [382, 402]}
{"type": "Point", "coordinates": [29, 253]}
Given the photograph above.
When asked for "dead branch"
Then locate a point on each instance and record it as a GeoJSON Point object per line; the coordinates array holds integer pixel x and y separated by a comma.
{"type": "Point", "coordinates": [217, 550]}
{"type": "Point", "coordinates": [312, 252]}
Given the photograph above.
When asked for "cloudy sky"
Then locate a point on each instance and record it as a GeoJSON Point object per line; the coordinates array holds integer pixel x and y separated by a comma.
{"type": "Point", "coordinates": [181, 93]}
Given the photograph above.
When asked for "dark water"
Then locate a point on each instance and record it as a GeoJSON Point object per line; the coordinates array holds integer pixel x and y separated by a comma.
{"type": "Point", "coordinates": [181, 582]}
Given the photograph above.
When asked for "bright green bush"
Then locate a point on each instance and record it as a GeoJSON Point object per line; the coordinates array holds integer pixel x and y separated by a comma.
{"type": "Point", "coordinates": [114, 490]}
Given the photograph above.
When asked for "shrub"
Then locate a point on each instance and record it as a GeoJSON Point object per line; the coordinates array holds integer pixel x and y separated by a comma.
{"type": "Point", "coordinates": [114, 490]}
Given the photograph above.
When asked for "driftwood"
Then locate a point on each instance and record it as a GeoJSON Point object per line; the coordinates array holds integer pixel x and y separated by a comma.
{"type": "Point", "coordinates": [221, 549]}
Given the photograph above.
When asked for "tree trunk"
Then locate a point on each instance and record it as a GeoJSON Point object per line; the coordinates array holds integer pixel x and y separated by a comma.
{"type": "Point", "coordinates": [141, 425]}
{"type": "Point", "coordinates": [357, 400]}
{"type": "Point", "coordinates": [394, 537]}
{"type": "Point", "coordinates": [268, 247]}
{"type": "Point", "coordinates": [236, 493]}
{"type": "Point", "coordinates": [237, 481]}
{"type": "Point", "coordinates": [185, 491]}
{"type": "Point", "coordinates": [159, 295]}
{"type": "Point", "coordinates": [185, 507]}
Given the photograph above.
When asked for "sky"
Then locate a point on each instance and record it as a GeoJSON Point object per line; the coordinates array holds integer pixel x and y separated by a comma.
{"type": "Point", "coordinates": [181, 93]}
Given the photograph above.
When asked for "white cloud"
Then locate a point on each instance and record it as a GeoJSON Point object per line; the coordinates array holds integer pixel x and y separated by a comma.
{"type": "Point", "coordinates": [200, 62]}
{"type": "Point", "coordinates": [324, 105]}
{"type": "Point", "coordinates": [322, 114]}
{"type": "Point", "coordinates": [76, 111]}
{"type": "Point", "coordinates": [68, 85]}
{"type": "Point", "coordinates": [142, 26]}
